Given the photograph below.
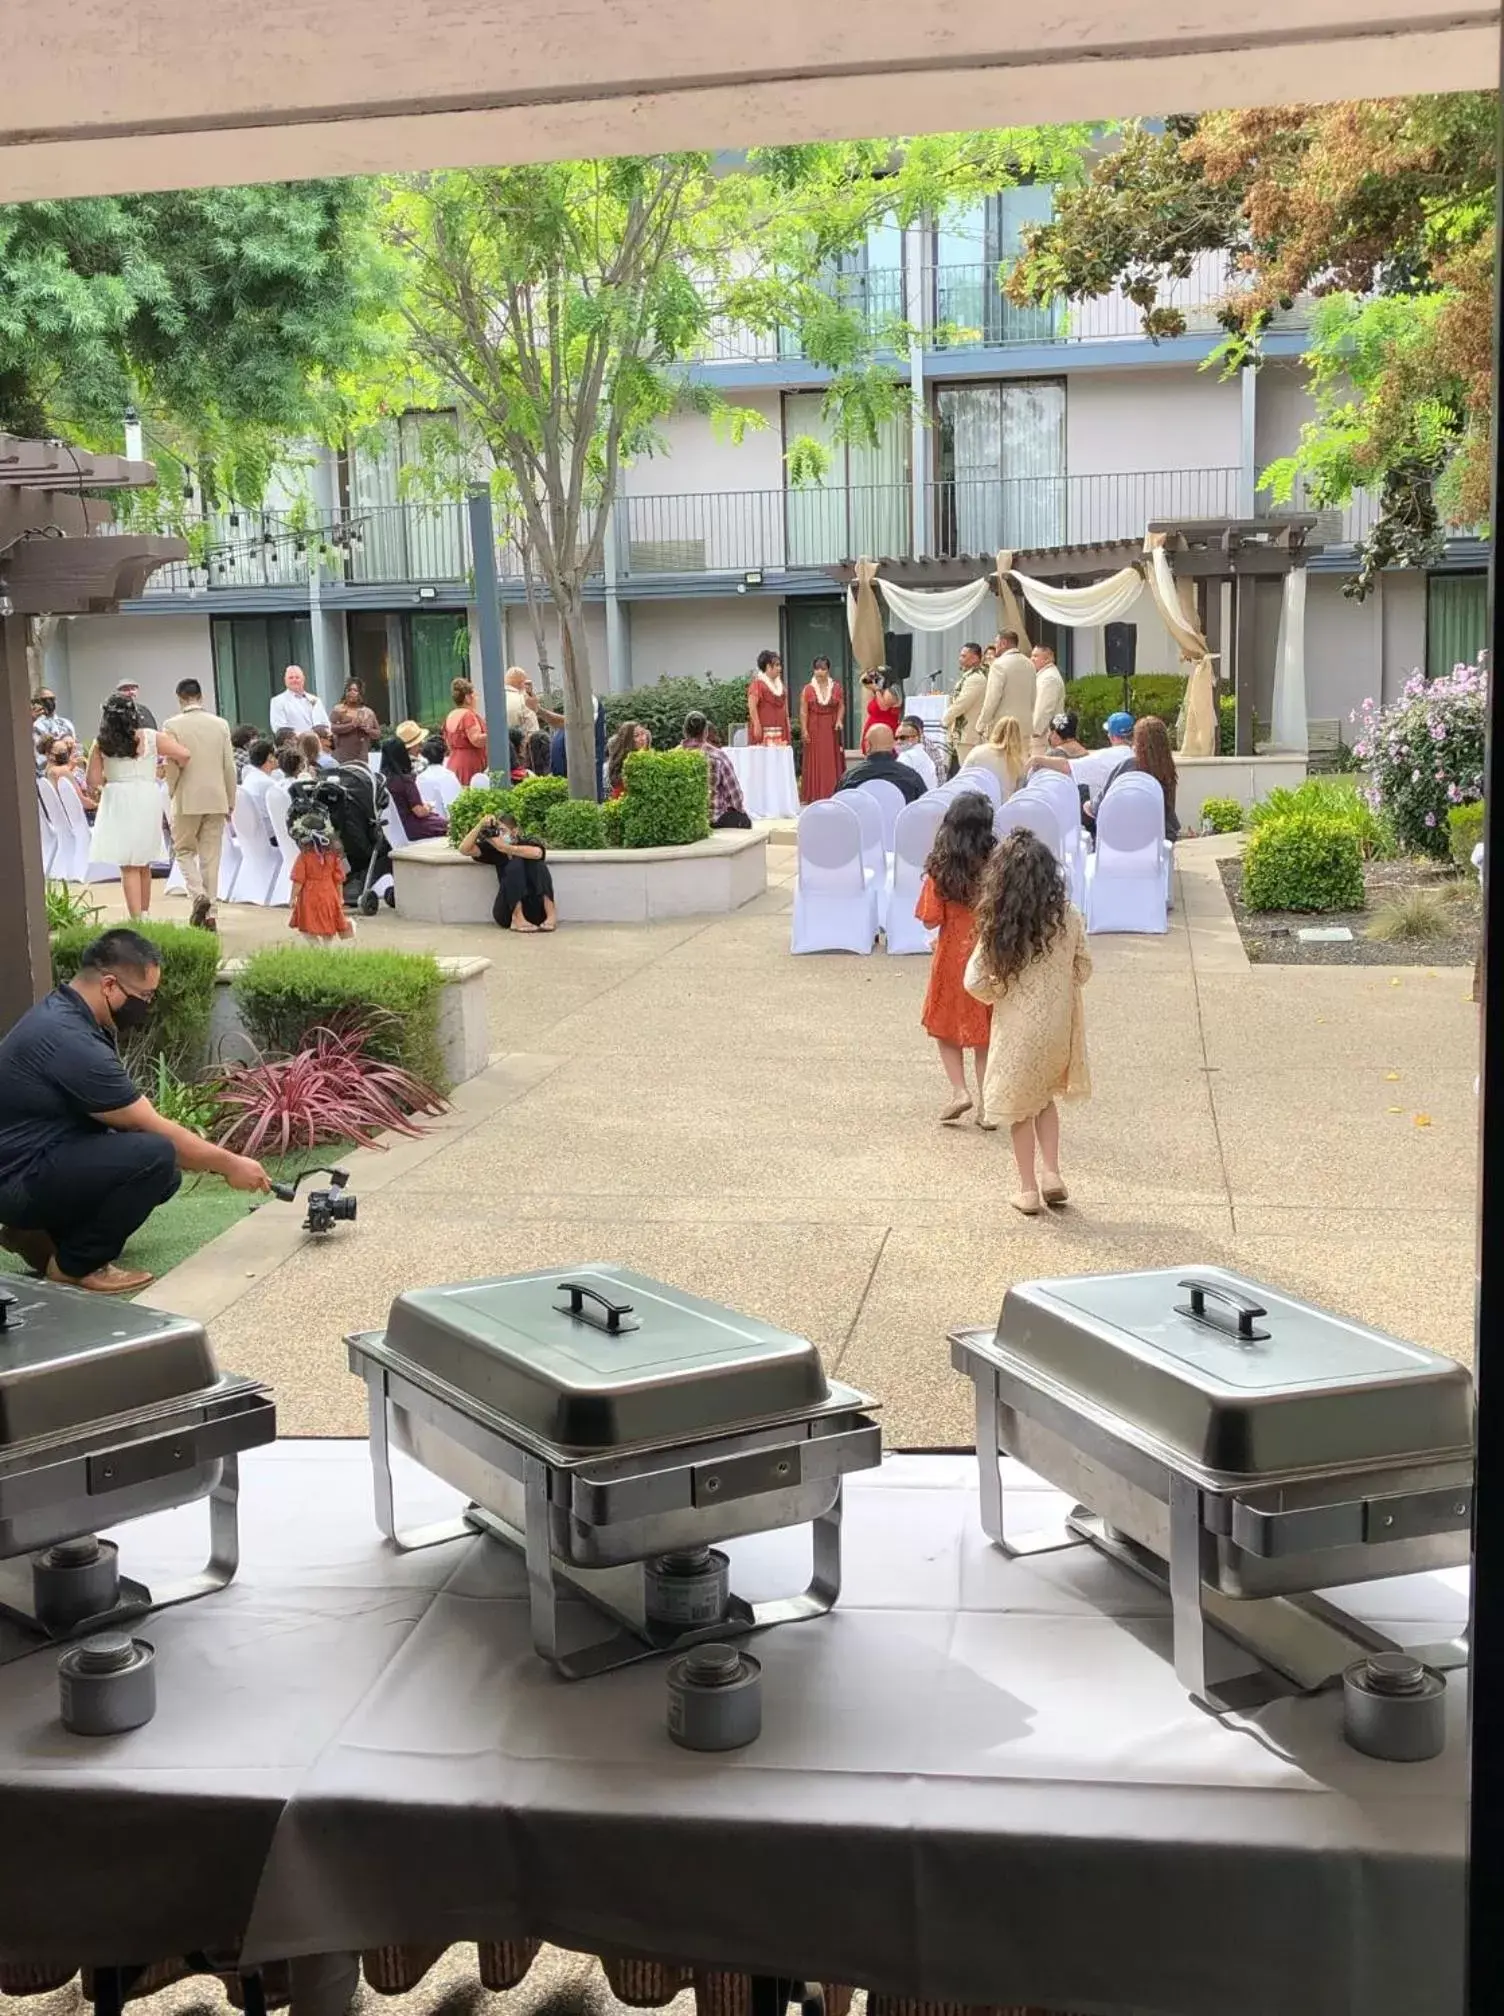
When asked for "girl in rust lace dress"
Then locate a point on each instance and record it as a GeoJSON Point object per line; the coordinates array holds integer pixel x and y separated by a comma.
{"type": "Point", "coordinates": [952, 876]}
{"type": "Point", "coordinates": [822, 715]}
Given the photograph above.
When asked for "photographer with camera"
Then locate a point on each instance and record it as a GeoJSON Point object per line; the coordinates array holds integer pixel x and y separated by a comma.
{"type": "Point", "coordinates": [525, 889]}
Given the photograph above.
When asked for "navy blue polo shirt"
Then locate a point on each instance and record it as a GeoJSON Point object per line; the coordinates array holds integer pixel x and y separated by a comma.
{"type": "Point", "coordinates": [58, 1068]}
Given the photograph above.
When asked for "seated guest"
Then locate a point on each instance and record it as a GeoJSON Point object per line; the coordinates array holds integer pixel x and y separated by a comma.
{"type": "Point", "coordinates": [558, 754]}
{"type": "Point", "coordinates": [84, 1158]}
{"type": "Point", "coordinates": [290, 762]}
{"type": "Point", "coordinates": [1092, 770]}
{"type": "Point", "coordinates": [283, 737]}
{"type": "Point", "coordinates": [327, 760]}
{"type": "Point", "coordinates": [911, 750]}
{"type": "Point", "coordinates": [539, 752]}
{"type": "Point", "coordinates": [64, 768]}
{"type": "Point", "coordinates": [435, 749]}
{"type": "Point", "coordinates": [517, 760]}
{"type": "Point", "coordinates": [241, 739]}
{"type": "Point", "coordinates": [312, 751]}
{"type": "Point", "coordinates": [419, 821]}
{"type": "Point", "coordinates": [525, 889]}
{"type": "Point", "coordinates": [629, 737]}
{"type": "Point", "coordinates": [727, 806]}
{"type": "Point", "coordinates": [1003, 754]}
{"type": "Point", "coordinates": [1062, 735]}
{"type": "Point", "coordinates": [882, 761]}
{"type": "Point", "coordinates": [260, 768]}
{"type": "Point", "coordinates": [412, 738]}
{"type": "Point", "coordinates": [1153, 756]}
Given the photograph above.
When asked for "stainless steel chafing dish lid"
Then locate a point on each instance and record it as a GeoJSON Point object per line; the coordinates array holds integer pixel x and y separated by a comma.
{"type": "Point", "coordinates": [69, 1359]}
{"type": "Point", "coordinates": [596, 1357]}
{"type": "Point", "coordinates": [1229, 1376]}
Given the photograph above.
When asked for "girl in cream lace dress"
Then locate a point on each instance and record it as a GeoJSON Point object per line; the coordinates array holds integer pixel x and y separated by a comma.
{"type": "Point", "coordinates": [1030, 964]}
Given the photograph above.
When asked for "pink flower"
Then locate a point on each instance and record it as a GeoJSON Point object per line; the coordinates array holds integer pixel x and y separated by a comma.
{"type": "Point", "coordinates": [1430, 818]}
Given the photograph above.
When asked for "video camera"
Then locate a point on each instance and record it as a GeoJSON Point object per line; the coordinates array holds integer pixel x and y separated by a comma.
{"type": "Point", "coordinates": [326, 1208]}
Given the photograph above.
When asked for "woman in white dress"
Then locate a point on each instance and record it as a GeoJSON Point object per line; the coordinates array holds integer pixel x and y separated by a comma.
{"type": "Point", "coordinates": [123, 773]}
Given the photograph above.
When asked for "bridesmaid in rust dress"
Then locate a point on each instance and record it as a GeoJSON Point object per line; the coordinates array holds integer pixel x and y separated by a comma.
{"type": "Point", "coordinates": [822, 715]}
{"type": "Point", "coordinates": [768, 702]}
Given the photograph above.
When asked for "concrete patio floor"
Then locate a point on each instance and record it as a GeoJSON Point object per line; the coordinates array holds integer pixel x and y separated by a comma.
{"type": "Point", "coordinates": [690, 1100]}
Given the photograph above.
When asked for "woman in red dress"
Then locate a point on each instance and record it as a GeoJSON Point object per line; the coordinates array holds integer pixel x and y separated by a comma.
{"type": "Point", "coordinates": [822, 715]}
{"type": "Point", "coordinates": [884, 703]}
{"type": "Point", "coordinates": [464, 734]}
{"type": "Point", "coordinates": [768, 702]}
{"type": "Point", "coordinates": [952, 876]}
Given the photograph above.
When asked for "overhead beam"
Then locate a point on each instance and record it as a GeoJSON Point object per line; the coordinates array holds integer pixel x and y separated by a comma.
{"type": "Point", "coordinates": [360, 86]}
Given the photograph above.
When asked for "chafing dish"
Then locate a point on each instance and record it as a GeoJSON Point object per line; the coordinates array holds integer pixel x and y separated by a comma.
{"type": "Point", "coordinates": [1241, 1447]}
{"type": "Point", "coordinates": [108, 1411]}
{"type": "Point", "coordinates": [614, 1430]}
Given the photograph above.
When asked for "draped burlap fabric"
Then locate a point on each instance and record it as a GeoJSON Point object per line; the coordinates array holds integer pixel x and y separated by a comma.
{"type": "Point", "coordinates": [866, 619]}
{"type": "Point", "coordinates": [1175, 601]}
{"type": "Point", "coordinates": [1008, 602]}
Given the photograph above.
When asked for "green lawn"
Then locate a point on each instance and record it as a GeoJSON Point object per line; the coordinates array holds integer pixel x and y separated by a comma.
{"type": "Point", "coordinates": [202, 1209]}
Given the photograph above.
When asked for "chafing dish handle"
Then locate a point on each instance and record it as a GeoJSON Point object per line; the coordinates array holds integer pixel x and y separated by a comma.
{"type": "Point", "coordinates": [614, 1314]}
{"type": "Point", "coordinates": [1246, 1312]}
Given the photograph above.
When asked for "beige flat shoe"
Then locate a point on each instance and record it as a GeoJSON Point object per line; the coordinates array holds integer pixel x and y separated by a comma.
{"type": "Point", "coordinates": [1051, 1189]}
{"type": "Point", "coordinates": [955, 1110]}
{"type": "Point", "coordinates": [987, 1126]}
{"type": "Point", "coordinates": [1026, 1201]}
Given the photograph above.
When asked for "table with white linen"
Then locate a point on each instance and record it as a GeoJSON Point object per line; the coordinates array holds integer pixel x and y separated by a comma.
{"type": "Point", "coordinates": [930, 707]}
{"type": "Point", "coordinates": [770, 790]}
{"type": "Point", "coordinates": [978, 1779]}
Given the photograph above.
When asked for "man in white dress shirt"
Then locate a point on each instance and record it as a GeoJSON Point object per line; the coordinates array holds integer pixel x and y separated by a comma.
{"type": "Point", "coordinates": [911, 750]}
{"type": "Point", "coordinates": [297, 708]}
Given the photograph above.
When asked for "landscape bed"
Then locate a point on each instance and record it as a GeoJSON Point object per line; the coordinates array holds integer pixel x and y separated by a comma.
{"type": "Point", "coordinates": [1271, 937]}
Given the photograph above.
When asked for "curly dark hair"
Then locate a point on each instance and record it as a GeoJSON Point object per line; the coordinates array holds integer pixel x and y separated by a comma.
{"type": "Point", "coordinates": [963, 847]}
{"type": "Point", "coordinates": [118, 724]}
{"type": "Point", "coordinates": [1022, 905]}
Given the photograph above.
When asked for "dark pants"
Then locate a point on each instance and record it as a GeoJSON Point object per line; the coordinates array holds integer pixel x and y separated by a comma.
{"type": "Point", "coordinates": [524, 882]}
{"type": "Point", "coordinates": [90, 1193]}
{"type": "Point", "coordinates": [728, 819]}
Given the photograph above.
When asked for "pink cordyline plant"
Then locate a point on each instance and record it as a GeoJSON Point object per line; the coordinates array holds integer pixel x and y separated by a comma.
{"type": "Point", "coordinates": [330, 1091]}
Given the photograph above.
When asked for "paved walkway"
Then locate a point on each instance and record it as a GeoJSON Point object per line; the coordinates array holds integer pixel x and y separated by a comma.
{"type": "Point", "coordinates": [690, 1100]}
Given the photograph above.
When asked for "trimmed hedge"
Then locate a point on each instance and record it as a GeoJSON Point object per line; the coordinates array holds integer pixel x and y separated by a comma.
{"type": "Point", "coordinates": [662, 706]}
{"type": "Point", "coordinates": [574, 824]}
{"type": "Point", "coordinates": [1094, 698]}
{"type": "Point", "coordinates": [473, 804]}
{"type": "Point", "coordinates": [531, 800]}
{"type": "Point", "coordinates": [667, 801]}
{"type": "Point", "coordinates": [613, 811]}
{"type": "Point", "coordinates": [1221, 815]}
{"type": "Point", "coordinates": [1303, 861]}
{"type": "Point", "coordinates": [1464, 831]}
{"type": "Point", "coordinates": [1335, 798]}
{"type": "Point", "coordinates": [391, 997]}
{"type": "Point", "coordinates": [179, 1028]}
{"type": "Point", "coordinates": [1227, 724]}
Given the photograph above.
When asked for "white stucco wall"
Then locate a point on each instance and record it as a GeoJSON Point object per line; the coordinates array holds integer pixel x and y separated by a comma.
{"type": "Point", "coordinates": [698, 456]}
{"type": "Point", "coordinates": [1282, 405]}
{"type": "Point", "coordinates": [1177, 424]}
{"type": "Point", "coordinates": [520, 648]}
{"type": "Point", "coordinates": [157, 651]}
{"type": "Point", "coordinates": [684, 640]}
{"type": "Point", "coordinates": [1355, 650]}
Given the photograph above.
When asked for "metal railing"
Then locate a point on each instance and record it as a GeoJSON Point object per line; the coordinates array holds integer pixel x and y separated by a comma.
{"type": "Point", "coordinates": [404, 542]}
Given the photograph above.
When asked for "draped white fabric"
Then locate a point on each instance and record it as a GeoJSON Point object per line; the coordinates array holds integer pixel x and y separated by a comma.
{"type": "Point", "coordinates": [1289, 729]}
{"type": "Point", "coordinates": [930, 608]}
{"type": "Point", "coordinates": [1084, 608]}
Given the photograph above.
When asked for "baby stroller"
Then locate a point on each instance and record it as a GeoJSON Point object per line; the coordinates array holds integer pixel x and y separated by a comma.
{"type": "Point", "coordinates": [354, 798]}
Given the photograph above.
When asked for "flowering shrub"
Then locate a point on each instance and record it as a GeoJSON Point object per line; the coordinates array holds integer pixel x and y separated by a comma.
{"type": "Point", "coordinates": [1425, 754]}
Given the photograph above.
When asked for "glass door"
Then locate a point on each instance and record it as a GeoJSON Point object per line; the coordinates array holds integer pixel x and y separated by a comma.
{"type": "Point", "coordinates": [814, 626]}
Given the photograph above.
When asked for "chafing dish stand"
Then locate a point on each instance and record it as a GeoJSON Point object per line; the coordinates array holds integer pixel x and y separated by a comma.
{"type": "Point", "coordinates": [1238, 1447]}
{"type": "Point", "coordinates": [613, 1430]}
{"type": "Point", "coordinates": [108, 1411]}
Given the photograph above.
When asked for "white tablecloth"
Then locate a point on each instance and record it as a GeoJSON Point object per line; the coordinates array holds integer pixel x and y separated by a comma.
{"type": "Point", "coordinates": [770, 789]}
{"type": "Point", "coordinates": [978, 1780]}
{"type": "Point", "coordinates": [930, 707]}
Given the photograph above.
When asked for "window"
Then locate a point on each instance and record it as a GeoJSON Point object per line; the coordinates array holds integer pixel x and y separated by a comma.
{"type": "Point", "coordinates": [1001, 463]}
{"type": "Point", "coordinates": [250, 655]}
{"type": "Point", "coordinates": [862, 506]}
{"type": "Point", "coordinates": [972, 247]}
{"type": "Point", "coordinates": [1456, 621]}
{"type": "Point", "coordinates": [403, 537]}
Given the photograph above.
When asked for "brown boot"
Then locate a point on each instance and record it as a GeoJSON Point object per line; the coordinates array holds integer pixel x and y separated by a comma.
{"type": "Point", "coordinates": [35, 1248]}
{"type": "Point", "coordinates": [202, 914]}
{"type": "Point", "coordinates": [107, 1280]}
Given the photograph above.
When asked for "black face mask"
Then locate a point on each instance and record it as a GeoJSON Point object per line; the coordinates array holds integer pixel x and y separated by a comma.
{"type": "Point", "coordinates": [132, 1013]}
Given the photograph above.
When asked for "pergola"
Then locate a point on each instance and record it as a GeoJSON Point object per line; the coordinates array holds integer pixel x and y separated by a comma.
{"type": "Point", "coordinates": [57, 558]}
{"type": "Point", "coordinates": [1208, 551]}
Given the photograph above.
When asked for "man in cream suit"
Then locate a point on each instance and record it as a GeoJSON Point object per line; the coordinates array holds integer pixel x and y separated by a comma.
{"type": "Point", "coordinates": [1049, 695]}
{"type": "Point", "coordinates": [203, 796]}
{"type": "Point", "coordinates": [1010, 690]}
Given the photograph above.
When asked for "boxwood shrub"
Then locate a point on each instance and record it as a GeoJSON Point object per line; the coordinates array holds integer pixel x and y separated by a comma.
{"type": "Point", "coordinates": [532, 798]}
{"type": "Point", "coordinates": [179, 1027]}
{"type": "Point", "coordinates": [613, 811]}
{"type": "Point", "coordinates": [472, 805]}
{"type": "Point", "coordinates": [663, 706]}
{"type": "Point", "coordinates": [1303, 861]}
{"type": "Point", "coordinates": [391, 997]}
{"type": "Point", "coordinates": [576, 823]}
{"type": "Point", "coordinates": [1094, 698]}
{"type": "Point", "coordinates": [1464, 831]}
{"type": "Point", "coordinates": [1221, 815]}
{"type": "Point", "coordinates": [667, 801]}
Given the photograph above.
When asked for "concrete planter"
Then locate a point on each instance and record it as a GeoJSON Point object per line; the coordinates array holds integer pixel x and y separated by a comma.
{"type": "Point", "coordinates": [464, 1035]}
{"type": "Point", "coordinates": [1242, 777]}
{"type": "Point", "coordinates": [614, 885]}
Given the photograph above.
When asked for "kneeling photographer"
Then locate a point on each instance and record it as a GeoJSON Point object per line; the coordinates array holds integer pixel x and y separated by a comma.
{"type": "Point", "coordinates": [525, 889]}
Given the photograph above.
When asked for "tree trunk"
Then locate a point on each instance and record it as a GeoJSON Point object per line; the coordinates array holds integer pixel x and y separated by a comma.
{"type": "Point", "coordinates": [40, 631]}
{"type": "Point", "coordinates": [539, 627]}
{"type": "Point", "coordinates": [579, 695]}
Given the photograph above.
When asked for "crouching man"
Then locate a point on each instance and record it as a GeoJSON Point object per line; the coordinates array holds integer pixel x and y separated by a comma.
{"type": "Point", "coordinates": [84, 1158]}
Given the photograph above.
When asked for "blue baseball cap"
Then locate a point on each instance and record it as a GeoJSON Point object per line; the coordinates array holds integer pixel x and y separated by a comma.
{"type": "Point", "coordinates": [1119, 723]}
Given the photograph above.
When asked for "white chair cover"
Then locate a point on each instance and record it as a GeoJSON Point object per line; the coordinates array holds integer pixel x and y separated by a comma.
{"type": "Point", "coordinates": [164, 859]}
{"type": "Point", "coordinates": [49, 834]}
{"type": "Point", "coordinates": [258, 858]}
{"type": "Point", "coordinates": [1064, 800]}
{"type": "Point", "coordinates": [66, 809]}
{"type": "Point", "coordinates": [391, 825]}
{"type": "Point", "coordinates": [835, 899]}
{"type": "Point", "coordinates": [915, 836]}
{"type": "Point", "coordinates": [229, 862]}
{"type": "Point", "coordinates": [1035, 814]}
{"type": "Point", "coordinates": [975, 778]}
{"type": "Point", "coordinates": [874, 854]}
{"type": "Point", "coordinates": [1125, 876]}
{"type": "Point", "coordinates": [890, 802]}
{"type": "Point", "coordinates": [438, 787]}
{"type": "Point", "coordinates": [278, 810]}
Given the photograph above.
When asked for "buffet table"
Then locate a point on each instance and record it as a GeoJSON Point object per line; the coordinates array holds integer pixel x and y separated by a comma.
{"type": "Point", "coordinates": [770, 790]}
{"type": "Point", "coordinates": [978, 1780]}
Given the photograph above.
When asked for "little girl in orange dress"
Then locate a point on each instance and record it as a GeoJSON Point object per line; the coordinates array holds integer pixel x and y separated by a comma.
{"type": "Point", "coordinates": [952, 875]}
{"type": "Point", "coordinates": [318, 880]}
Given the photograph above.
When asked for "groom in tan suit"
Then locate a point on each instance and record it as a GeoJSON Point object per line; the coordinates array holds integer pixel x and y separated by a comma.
{"type": "Point", "coordinates": [203, 796]}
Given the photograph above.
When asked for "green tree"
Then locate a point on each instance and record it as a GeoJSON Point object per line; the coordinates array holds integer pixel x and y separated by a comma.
{"type": "Point", "coordinates": [230, 318]}
{"type": "Point", "coordinates": [1382, 207]}
{"type": "Point", "coordinates": [555, 307]}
